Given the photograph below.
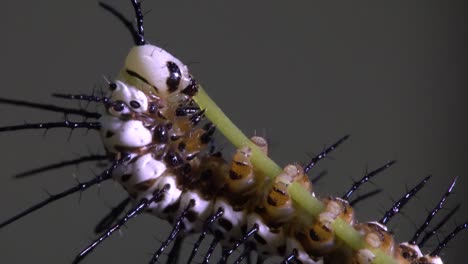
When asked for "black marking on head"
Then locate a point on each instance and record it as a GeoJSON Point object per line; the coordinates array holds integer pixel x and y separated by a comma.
{"type": "Point", "coordinates": [139, 77]}
{"type": "Point", "coordinates": [175, 75]}
{"type": "Point", "coordinates": [192, 88]}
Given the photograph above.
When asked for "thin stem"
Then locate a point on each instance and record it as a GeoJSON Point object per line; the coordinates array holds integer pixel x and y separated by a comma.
{"type": "Point", "coordinates": [266, 166]}
{"type": "Point", "coordinates": [234, 134]}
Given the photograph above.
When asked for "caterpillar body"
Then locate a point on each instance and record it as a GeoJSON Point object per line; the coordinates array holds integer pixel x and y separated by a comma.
{"type": "Point", "coordinates": [129, 126]}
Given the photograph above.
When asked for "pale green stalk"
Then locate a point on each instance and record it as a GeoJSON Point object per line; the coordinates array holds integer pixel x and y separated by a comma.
{"type": "Point", "coordinates": [265, 165]}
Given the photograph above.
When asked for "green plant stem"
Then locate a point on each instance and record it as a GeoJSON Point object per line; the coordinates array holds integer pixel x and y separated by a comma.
{"type": "Point", "coordinates": [262, 162]}
{"type": "Point", "coordinates": [265, 165]}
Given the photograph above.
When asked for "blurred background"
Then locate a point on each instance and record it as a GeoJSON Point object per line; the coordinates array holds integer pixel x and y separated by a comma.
{"type": "Point", "coordinates": [300, 73]}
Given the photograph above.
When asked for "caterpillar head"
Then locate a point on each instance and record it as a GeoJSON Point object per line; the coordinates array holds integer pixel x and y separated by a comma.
{"type": "Point", "coordinates": [157, 71]}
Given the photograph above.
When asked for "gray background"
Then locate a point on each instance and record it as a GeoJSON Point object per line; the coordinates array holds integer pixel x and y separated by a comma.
{"type": "Point", "coordinates": [301, 73]}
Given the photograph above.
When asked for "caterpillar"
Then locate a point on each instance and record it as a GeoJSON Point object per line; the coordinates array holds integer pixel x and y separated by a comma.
{"type": "Point", "coordinates": [289, 159]}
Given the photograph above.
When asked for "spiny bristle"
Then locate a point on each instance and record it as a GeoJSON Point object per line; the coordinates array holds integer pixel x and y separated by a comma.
{"type": "Point", "coordinates": [60, 165]}
{"type": "Point", "coordinates": [403, 201]}
{"type": "Point", "coordinates": [366, 178]}
{"type": "Point", "coordinates": [63, 124]}
{"type": "Point", "coordinates": [324, 153]}
{"type": "Point", "coordinates": [178, 227]}
{"type": "Point", "coordinates": [105, 175]}
{"type": "Point", "coordinates": [136, 210]}
{"type": "Point", "coordinates": [110, 218]}
{"type": "Point", "coordinates": [434, 211]}
{"type": "Point", "coordinates": [49, 107]}
{"type": "Point", "coordinates": [442, 223]}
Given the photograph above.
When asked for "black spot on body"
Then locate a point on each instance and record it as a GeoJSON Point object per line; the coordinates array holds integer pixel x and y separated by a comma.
{"type": "Point", "coordinates": [226, 224]}
{"type": "Point", "coordinates": [119, 106]}
{"type": "Point", "coordinates": [281, 250]}
{"type": "Point", "coordinates": [153, 107]}
{"type": "Point", "coordinates": [173, 159]}
{"type": "Point", "coordinates": [271, 201]}
{"type": "Point", "coordinates": [314, 235]}
{"type": "Point", "coordinates": [186, 110]}
{"type": "Point", "coordinates": [219, 234]}
{"type": "Point", "coordinates": [282, 192]}
{"type": "Point", "coordinates": [197, 117]}
{"type": "Point", "coordinates": [125, 177]}
{"type": "Point", "coordinates": [134, 104]}
{"type": "Point", "coordinates": [234, 176]}
{"type": "Point", "coordinates": [161, 134]}
{"type": "Point", "coordinates": [191, 216]}
{"type": "Point", "coordinates": [112, 86]}
{"type": "Point", "coordinates": [109, 134]}
{"type": "Point", "coordinates": [259, 239]}
{"type": "Point", "coordinates": [171, 208]}
{"type": "Point", "coordinates": [205, 138]}
{"type": "Point", "coordinates": [173, 80]}
{"type": "Point", "coordinates": [186, 169]}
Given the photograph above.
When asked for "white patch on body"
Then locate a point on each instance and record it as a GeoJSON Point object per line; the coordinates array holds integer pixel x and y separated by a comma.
{"type": "Point", "coordinates": [302, 256]}
{"type": "Point", "coordinates": [129, 133]}
{"type": "Point", "coordinates": [170, 197]}
{"type": "Point", "coordinates": [273, 240]}
{"type": "Point", "coordinates": [237, 219]}
{"type": "Point", "coordinates": [126, 94]}
{"type": "Point", "coordinates": [202, 207]}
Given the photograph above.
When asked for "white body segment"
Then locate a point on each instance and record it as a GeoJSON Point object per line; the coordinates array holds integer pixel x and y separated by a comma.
{"type": "Point", "coordinates": [150, 63]}
{"type": "Point", "coordinates": [131, 133]}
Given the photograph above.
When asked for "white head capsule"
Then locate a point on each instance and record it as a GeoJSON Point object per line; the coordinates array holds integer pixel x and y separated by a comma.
{"type": "Point", "coordinates": [158, 71]}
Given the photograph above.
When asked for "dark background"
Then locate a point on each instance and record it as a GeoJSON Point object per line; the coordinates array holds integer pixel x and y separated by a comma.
{"type": "Point", "coordinates": [301, 73]}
